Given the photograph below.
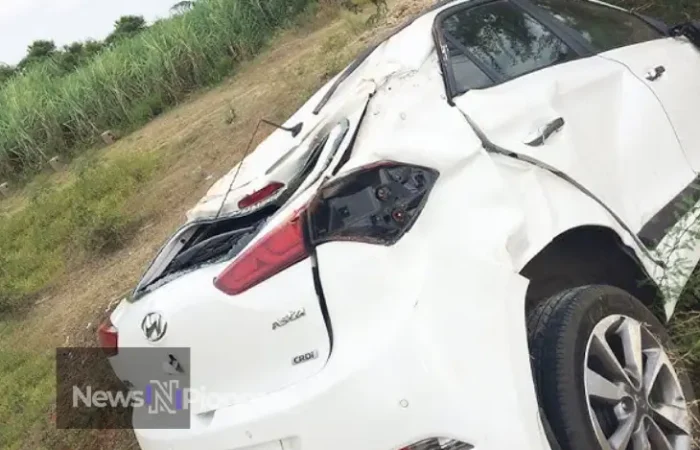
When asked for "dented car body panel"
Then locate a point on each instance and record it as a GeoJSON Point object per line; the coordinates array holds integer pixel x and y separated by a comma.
{"type": "Point", "coordinates": [401, 324]}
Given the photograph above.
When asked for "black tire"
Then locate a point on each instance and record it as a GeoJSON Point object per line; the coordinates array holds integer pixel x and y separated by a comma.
{"type": "Point", "coordinates": [558, 333]}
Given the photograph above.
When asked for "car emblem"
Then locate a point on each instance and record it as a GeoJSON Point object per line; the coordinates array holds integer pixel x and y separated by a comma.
{"type": "Point", "coordinates": [154, 327]}
{"type": "Point", "coordinates": [305, 357]}
{"type": "Point", "coordinates": [289, 318]}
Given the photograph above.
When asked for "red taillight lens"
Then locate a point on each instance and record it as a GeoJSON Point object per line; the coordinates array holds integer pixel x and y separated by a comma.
{"type": "Point", "coordinates": [376, 204]}
{"type": "Point", "coordinates": [260, 195]}
{"type": "Point", "coordinates": [108, 337]}
{"type": "Point", "coordinates": [280, 249]}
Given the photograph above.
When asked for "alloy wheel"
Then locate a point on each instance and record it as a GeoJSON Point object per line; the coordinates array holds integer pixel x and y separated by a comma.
{"type": "Point", "coordinates": [634, 396]}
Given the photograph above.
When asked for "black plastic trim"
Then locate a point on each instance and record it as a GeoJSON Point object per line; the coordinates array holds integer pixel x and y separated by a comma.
{"type": "Point", "coordinates": [356, 190]}
{"type": "Point", "coordinates": [318, 287]}
{"type": "Point", "coordinates": [658, 24]}
{"type": "Point", "coordinates": [663, 221]}
{"type": "Point", "coordinates": [691, 30]}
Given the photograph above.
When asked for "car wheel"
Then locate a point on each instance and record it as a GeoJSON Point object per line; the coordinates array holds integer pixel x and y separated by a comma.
{"type": "Point", "coordinates": [604, 376]}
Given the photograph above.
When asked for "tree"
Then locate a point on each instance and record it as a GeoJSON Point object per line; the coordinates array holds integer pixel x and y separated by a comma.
{"type": "Point", "coordinates": [126, 26]}
{"type": "Point", "coordinates": [92, 48]}
{"type": "Point", "coordinates": [70, 57]}
{"type": "Point", "coordinates": [6, 72]}
{"type": "Point", "coordinates": [182, 6]}
{"type": "Point", "coordinates": [37, 51]}
{"type": "Point", "coordinates": [41, 49]}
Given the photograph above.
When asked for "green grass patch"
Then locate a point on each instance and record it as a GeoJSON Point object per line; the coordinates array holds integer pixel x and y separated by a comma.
{"type": "Point", "coordinates": [88, 216]}
{"type": "Point", "coordinates": [26, 387]}
{"type": "Point", "coordinates": [42, 114]}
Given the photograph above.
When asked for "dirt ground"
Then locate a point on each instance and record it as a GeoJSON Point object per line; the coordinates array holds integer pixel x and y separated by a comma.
{"type": "Point", "coordinates": [200, 141]}
{"type": "Point", "coordinates": [200, 146]}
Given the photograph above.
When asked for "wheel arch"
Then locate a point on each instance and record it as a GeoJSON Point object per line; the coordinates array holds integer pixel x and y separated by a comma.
{"type": "Point", "coordinates": [589, 254]}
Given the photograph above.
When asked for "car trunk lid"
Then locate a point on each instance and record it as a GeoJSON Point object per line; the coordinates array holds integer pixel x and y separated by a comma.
{"type": "Point", "coordinates": [241, 347]}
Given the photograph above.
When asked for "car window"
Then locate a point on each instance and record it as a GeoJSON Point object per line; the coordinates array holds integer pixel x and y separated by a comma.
{"type": "Point", "coordinates": [603, 27]}
{"type": "Point", "coordinates": [503, 40]}
{"type": "Point", "coordinates": [467, 74]}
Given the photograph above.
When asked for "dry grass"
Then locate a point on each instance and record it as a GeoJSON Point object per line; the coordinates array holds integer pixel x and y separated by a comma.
{"type": "Point", "coordinates": [195, 144]}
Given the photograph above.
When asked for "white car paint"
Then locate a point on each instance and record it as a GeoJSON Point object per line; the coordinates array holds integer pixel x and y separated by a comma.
{"type": "Point", "coordinates": [609, 141]}
{"type": "Point", "coordinates": [222, 199]}
{"type": "Point", "coordinates": [261, 167]}
{"type": "Point", "coordinates": [678, 88]}
{"type": "Point", "coordinates": [428, 334]}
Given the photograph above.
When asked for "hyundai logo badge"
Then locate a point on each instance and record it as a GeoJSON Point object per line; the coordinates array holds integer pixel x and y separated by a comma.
{"type": "Point", "coordinates": [154, 327]}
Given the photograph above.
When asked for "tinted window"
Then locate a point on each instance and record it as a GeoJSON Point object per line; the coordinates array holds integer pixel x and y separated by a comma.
{"type": "Point", "coordinates": [467, 74]}
{"type": "Point", "coordinates": [603, 27]}
{"type": "Point", "coordinates": [504, 40]}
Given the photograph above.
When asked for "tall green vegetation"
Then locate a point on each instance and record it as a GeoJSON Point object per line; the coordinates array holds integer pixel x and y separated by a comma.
{"type": "Point", "coordinates": [182, 6]}
{"type": "Point", "coordinates": [6, 72]}
{"type": "Point", "coordinates": [42, 114]}
{"type": "Point", "coordinates": [38, 51]}
{"type": "Point", "coordinates": [61, 61]}
{"type": "Point", "coordinates": [126, 27]}
{"type": "Point", "coordinates": [55, 61]}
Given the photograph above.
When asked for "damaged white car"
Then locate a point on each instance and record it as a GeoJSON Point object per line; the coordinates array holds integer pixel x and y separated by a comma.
{"type": "Point", "coordinates": [457, 243]}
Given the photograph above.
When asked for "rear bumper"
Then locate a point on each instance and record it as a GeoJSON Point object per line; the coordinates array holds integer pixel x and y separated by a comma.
{"type": "Point", "coordinates": [436, 369]}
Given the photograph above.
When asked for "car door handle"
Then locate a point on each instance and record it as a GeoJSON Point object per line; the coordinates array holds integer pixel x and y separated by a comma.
{"type": "Point", "coordinates": [655, 74]}
{"type": "Point", "coordinates": [552, 127]}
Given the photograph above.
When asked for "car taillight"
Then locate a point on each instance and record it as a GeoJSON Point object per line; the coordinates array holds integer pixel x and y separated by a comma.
{"type": "Point", "coordinates": [260, 195]}
{"type": "Point", "coordinates": [377, 204]}
{"type": "Point", "coordinates": [108, 337]}
{"type": "Point", "coordinates": [276, 251]}
{"type": "Point", "coordinates": [439, 444]}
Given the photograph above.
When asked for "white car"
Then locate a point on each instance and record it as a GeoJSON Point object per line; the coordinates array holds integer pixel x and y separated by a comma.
{"type": "Point", "coordinates": [457, 243]}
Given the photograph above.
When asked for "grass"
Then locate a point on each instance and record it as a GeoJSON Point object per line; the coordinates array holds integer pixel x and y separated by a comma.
{"type": "Point", "coordinates": [82, 237]}
{"type": "Point", "coordinates": [85, 217]}
{"type": "Point", "coordinates": [32, 375]}
{"type": "Point", "coordinates": [43, 115]}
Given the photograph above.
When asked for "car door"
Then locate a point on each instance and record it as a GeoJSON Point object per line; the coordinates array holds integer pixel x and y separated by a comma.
{"type": "Point", "coordinates": [531, 89]}
{"type": "Point", "coordinates": [669, 66]}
